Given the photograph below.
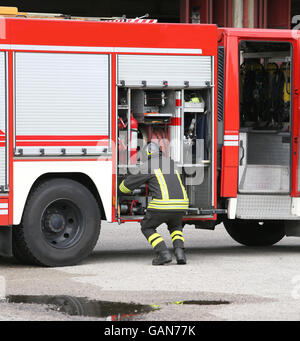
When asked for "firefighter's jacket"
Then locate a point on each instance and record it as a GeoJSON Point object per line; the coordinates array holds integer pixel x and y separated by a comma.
{"type": "Point", "coordinates": [164, 183]}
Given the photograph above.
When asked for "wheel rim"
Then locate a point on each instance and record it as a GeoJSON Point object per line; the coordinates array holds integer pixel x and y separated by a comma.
{"type": "Point", "coordinates": [62, 224]}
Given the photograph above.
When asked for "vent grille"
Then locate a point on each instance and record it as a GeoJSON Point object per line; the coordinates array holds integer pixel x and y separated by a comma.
{"type": "Point", "coordinates": [221, 74]}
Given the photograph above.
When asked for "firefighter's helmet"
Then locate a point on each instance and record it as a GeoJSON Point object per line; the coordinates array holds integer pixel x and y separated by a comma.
{"type": "Point", "coordinates": [152, 149]}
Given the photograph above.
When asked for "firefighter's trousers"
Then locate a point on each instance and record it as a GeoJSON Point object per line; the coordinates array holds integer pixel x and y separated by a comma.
{"type": "Point", "coordinates": [173, 220]}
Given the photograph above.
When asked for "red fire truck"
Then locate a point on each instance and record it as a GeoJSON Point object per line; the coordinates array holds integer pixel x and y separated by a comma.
{"type": "Point", "coordinates": [77, 94]}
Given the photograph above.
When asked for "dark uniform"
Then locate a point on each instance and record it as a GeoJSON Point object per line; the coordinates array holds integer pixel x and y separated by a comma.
{"type": "Point", "coordinates": [168, 204]}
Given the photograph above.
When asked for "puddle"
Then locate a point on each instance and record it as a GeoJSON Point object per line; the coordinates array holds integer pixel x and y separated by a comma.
{"type": "Point", "coordinates": [112, 311]}
{"type": "Point", "coordinates": [201, 302]}
{"type": "Point", "coordinates": [81, 306]}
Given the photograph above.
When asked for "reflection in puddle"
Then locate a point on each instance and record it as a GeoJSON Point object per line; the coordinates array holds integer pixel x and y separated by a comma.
{"type": "Point", "coordinates": [81, 306]}
{"type": "Point", "coordinates": [111, 311]}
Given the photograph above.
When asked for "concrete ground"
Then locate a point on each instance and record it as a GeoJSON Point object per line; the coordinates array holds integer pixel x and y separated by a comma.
{"type": "Point", "coordinates": [258, 283]}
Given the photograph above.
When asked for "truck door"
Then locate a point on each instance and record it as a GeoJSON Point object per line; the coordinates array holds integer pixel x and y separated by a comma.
{"type": "Point", "coordinates": [269, 129]}
{"type": "Point", "coordinates": [295, 183]}
{"type": "Point", "coordinates": [265, 117]}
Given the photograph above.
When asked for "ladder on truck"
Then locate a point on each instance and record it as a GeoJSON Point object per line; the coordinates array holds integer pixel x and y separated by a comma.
{"type": "Point", "coordinates": [14, 12]}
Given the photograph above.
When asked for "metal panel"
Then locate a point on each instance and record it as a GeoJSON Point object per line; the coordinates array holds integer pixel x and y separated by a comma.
{"type": "Point", "coordinates": [268, 149]}
{"type": "Point", "coordinates": [265, 179]}
{"type": "Point", "coordinates": [154, 69]}
{"type": "Point", "coordinates": [264, 207]}
{"type": "Point", "coordinates": [64, 96]}
{"type": "Point", "coordinates": [3, 113]}
{"type": "Point", "coordinates": [264, 163]}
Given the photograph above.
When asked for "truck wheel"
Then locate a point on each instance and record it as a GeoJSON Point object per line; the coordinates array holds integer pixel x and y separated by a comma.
{"type": "Point", "coordinates": [255, 233]}
{"type": "Point", "coordinates": [17, 249]}
{"type": "Point", "coordinates": [60, 224]}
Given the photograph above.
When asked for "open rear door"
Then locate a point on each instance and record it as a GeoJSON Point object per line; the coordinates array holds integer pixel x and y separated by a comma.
{"type": "Point", "coordinates": [295, 183]}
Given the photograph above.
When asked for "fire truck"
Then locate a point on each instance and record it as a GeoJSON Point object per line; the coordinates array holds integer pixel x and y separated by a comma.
{"type": "Point", "coordinates": [78, 95]}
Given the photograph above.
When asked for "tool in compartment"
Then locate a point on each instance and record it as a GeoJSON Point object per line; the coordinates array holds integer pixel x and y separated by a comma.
{"type": "Point", "coordinates": [131, 207]}
{"type": "Point", "coordinates": [154, 98]}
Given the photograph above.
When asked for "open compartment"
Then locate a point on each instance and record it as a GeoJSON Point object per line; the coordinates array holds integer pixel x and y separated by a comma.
{"type": "Point", "coordinates": [144, 115]}
{"type": "Point", "coordinates": [180, 121]}
{"type": "Point", "coordinates": [197, 147]}
{"type": "Point", "coordinates": [167, 100]}
{"type": "Point", "coordinates": [265, 117]}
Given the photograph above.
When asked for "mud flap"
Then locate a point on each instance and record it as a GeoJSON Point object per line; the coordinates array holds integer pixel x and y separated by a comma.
{"type": "Point", "coordinates": [6, 241]}
{"type": "Point", "coordinates": [292, 228]}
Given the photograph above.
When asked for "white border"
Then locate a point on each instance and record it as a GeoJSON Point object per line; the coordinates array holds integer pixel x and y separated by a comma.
{"type": "Point", "coordinates": [27, 172]}
{"type": "Point", "coordinates": [20, 47]}
{"type": "Point", "coordinates": [231, 137]}
{"type": "Point", "coordinates": [231, 143]}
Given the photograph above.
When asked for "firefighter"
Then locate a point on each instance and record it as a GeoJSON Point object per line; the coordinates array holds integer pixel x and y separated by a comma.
{"type": "Point", "coordinates": [168, 205]}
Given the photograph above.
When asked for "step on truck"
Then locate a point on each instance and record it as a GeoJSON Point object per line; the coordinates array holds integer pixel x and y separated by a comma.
{"type": "Point", "coordinates": [80, 97]}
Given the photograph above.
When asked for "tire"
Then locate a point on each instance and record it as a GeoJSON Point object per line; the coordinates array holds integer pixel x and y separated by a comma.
{"type": "Point", "coordinates": [17, 249]}
{"type": "Point", "coordinates": [255, 233]}
{"type": "Point", "coordinates": [60, 225]}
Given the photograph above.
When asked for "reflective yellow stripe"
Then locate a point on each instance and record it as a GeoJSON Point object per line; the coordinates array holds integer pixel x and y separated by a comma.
{"type": "Point", "coordinates": [157, 241]}
{"type": "Point", "coordinates": [162, 184]}
{"type": "Point", "coordinates": [177, 237]}
{"type": "Point", "coordinates": [175, 201]}
{"type": "Point", "coordinates": [165, 185]}
{"type": "Point", "coordinates": [176, 232]}
{"type": "Point", "coordinates": [169, 204]}
{"type": "Point", "coordinates": [182, 187]}
{"type": "Point", "coordinates": [123, 188]}
{"type": "Point", "coordinates": [153, 236]}
{"type": "Point", "coordinates": [167, 207]}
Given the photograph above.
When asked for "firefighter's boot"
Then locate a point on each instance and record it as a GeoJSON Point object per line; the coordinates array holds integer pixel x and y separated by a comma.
{"type": "Point", "coordinates": [180, 256]}
{"type": "Point", "coordinates": [162, 257]}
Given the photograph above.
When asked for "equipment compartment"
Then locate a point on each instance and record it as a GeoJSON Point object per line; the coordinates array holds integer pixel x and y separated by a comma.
{"type": "Point", "coordinates": [265, 117]}
{"type": "Point", "coordinates": [178, 118]}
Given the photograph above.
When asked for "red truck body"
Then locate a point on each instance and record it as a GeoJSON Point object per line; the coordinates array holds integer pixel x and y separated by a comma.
{"type": "Point", "coordinates": [66, 86]}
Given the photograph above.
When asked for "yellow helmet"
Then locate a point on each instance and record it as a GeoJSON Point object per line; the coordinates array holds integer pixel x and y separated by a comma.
{"type": "Point", "coordinates": [152, 148]}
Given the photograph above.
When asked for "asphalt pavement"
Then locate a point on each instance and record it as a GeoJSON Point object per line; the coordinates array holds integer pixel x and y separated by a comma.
{"type": "Point", "coordinates": [221, 281]}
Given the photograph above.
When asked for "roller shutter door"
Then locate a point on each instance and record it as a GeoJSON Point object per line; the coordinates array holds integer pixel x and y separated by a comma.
{"type": "Point", "coordinates": [62, 98]}
{"type": "Point", "coordinates": [154, 69]}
